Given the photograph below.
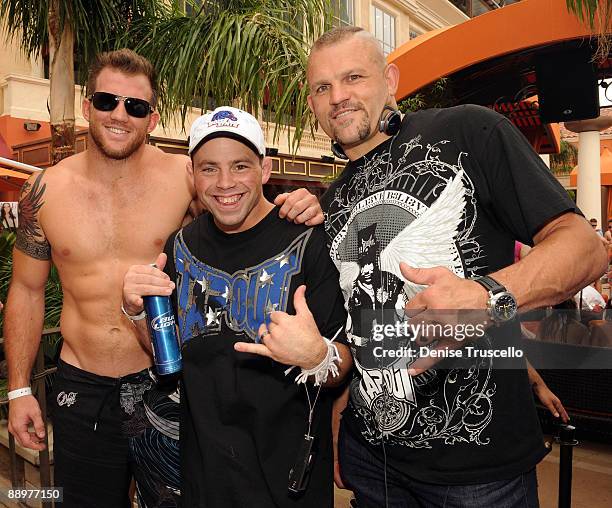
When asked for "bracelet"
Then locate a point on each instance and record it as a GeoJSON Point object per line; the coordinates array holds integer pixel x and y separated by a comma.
{"type": "Point", "coordinates": [328, 366]}
{"type": "Point", "coordinates": [137, 317]}
{"type": "Point", "coordinates": [19, 392]}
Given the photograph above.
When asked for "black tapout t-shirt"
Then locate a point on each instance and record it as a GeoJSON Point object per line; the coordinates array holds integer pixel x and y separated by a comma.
{"type": "Point", "coordinates": [242, 419]}
{"type": "Point", "coordinates": [455, 188]}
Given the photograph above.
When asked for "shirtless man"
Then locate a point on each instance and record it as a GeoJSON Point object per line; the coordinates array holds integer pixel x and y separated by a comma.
{"type": "Point", "coordinates": [608, 233]}
{"type": "Point", "coordinates": [93, 215]}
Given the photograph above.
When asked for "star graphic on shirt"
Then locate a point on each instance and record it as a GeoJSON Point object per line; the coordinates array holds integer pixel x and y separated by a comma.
{"type": "Point", "coordinates": [225, 294]}
{"type": "Point", "coordinates": [283, 258]}
{"type": "Point", "coordinates": [266, 278]}
{"type": "Point", "coordinates": [212, 316]}
{"type": "Point", "coordinates": [203, 284]}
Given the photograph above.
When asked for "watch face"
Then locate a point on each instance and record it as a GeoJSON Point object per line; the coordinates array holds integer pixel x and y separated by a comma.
{"type": "Point", "coordinates": [504, 308]}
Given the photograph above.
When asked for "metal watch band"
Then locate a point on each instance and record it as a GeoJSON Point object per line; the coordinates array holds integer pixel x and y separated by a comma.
{"type": "Point", "coordinates": [490, 284]}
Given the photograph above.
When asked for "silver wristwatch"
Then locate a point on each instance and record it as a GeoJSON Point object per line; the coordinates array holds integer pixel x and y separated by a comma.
{"type": "Point", "coordinates": [501, 306]}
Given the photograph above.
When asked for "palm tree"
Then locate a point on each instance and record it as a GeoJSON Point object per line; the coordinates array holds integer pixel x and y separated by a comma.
{"type": "Point", "coordinates": [250, 53]}
{"type": "Point", "coordinates": [78, 28]}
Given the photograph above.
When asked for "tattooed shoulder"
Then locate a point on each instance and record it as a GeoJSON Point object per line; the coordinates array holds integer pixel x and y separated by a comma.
{"type": "Point", "coordinates": [31, 239]}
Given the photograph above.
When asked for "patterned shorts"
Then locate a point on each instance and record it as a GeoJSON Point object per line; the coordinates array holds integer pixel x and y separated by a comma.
{"type": "Point", "coordinates": [110, 430]}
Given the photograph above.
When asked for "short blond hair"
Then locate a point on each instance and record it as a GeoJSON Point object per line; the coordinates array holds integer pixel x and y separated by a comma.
{"type": "Point", "coordinates": [335, 35]}
{"type": "Point", "coordinates": [342, 33]}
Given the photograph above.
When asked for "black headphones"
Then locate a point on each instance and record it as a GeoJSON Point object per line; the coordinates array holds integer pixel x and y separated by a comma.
{"type": "Point", "coordinates": [389, 124]}
{"type": "Point", "coordinates": [392, 122]}
{"type": "Point", "coordinates": [338, 151]}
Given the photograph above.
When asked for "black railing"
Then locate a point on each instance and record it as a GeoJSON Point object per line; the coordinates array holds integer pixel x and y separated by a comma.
{"type": "Point", "coordinates": [17, 462]}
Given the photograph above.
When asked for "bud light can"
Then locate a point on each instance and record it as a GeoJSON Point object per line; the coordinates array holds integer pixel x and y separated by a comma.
{"type": "Point", "coordinates": [166, 350]}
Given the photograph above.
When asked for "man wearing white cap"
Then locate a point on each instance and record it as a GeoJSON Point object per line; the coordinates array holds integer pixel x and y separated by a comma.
{"type": "Point", "coordinates": [254, 295]}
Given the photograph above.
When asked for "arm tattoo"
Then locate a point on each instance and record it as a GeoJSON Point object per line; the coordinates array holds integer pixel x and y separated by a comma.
{"type": "Point", "coordinates": [31, 239]}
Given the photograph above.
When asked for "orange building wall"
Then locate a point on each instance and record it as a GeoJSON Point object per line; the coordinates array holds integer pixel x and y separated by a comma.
{"type": "Point", "coordinates": [13, 132]}
{"type": "Point", "coordinates": [523, 25]}
{"type": "Point", "coordinates": [12, 195]}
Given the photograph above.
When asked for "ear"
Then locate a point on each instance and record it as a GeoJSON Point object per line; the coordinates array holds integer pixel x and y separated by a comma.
{"type": "Point", "coordinates": [309, 99]}
{"type": "Point", "coordinates": [190, 167]}
{"type": "Point", "coordinates": [153, 121]}
{"type": "Point", "coordinates": [266, 167]}
{"type": "Point", "coordinates": [392, 75]}
{"type": "Point", "coordinates": [85, 108]}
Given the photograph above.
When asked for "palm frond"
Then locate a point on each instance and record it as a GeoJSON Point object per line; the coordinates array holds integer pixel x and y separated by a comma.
{"type": "Point", "coordinates": [97, 24]}
{"type": "Point", "coordinates": [100, 25]}
{"type": "Point", "coordinates": [26, 23]}
{"type": "Point", "coordinates": [597, 15]}
{"type": "Point", "coordinates": [583, 9]}
{"type": "Point", "coordinates": [7, 241]}
{"type": "Point", "coordinates": [53, 287]}
{"type": "Point", "coordinates": [245, 53]}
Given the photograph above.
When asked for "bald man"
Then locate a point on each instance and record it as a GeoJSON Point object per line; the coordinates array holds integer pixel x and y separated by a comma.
{"type": "Point", "coordinates": [424, 216]}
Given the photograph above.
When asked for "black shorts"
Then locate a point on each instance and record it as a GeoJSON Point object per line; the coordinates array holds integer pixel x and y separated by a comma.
{"type": "Point", "coordinates": [108, 430]}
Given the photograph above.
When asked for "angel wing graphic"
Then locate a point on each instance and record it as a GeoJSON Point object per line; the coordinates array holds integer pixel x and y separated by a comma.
{"type": "Point", "coordinates": [30, 203]}
{"type": "Point", "coordinates": [349, 271]}
{"type": "Point", "coordinates": [428, 240]}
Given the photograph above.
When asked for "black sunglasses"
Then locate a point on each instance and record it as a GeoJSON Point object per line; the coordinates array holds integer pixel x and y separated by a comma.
{"type": "Point", "coordinates": [104, 101]}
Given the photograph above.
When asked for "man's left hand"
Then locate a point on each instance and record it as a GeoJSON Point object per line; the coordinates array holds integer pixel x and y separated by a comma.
{"type": "Point", "coordinates": [447, 300]}
{"type": "Point", "coordinates": [290, 340]}
{"type": "Point", "coordinates": [300, 206]}
{"type": "Point", "coordinates": [444, 290]}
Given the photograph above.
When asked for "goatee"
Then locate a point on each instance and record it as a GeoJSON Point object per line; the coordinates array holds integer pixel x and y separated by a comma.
{"type": "Point", "coordinates": [363, 132]}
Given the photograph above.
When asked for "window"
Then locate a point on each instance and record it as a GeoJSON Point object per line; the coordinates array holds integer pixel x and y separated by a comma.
{"type": "Point", "coordinates": [343, 12]}
{"type": "Point", "coordinates": [382, 25]}
{"type": "Point", "coordinates": [474, 8]}
{"type": "Point", "coordinates": [479, 7]}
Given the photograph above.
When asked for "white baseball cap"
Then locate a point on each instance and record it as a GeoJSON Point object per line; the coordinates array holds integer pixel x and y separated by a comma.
{"type": "Point", "coordinates": [226, 121]}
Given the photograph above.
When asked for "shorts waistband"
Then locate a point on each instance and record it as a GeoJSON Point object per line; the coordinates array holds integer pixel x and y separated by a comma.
{"type": "Point", "coordinates": [71, 372]}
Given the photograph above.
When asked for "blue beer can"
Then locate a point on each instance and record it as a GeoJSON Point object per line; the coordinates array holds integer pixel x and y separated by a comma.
{"type": "Point", "coordinates": [166, 348]}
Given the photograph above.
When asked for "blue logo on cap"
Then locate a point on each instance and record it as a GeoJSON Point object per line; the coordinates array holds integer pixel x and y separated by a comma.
{"type": "Point", "coordinates": [224, 115]}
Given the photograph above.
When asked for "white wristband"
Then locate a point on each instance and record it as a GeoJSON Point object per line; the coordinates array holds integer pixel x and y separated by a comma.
{"type": "Point", "coordinates": [328, 366]}
{"type": "Point", "coordinates": [20, 392]}
{"type": "Point", "coordinates": [137, 317]}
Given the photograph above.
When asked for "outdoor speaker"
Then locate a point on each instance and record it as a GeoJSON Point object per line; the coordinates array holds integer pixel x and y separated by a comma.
{"type": "Point", "coordinates": [567, 86]}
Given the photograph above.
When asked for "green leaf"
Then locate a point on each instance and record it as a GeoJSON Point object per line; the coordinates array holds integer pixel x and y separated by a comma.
{"type": "Point", "coordinates": [583, 9]}
{"type": "Point", "coordinates": [235, 55]}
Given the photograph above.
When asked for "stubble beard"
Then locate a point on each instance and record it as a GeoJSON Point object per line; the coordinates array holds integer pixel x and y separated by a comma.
{"type": "Point", "coordinates": [118, 154]}
{"type": "Point", "coordinates": [363, 132]}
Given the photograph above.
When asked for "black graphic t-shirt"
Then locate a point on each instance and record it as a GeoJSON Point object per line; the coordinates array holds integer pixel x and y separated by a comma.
{"type": "Point", "coordinates": [242, 418]}
{"type": "Point", "coordinates": [455, 188]}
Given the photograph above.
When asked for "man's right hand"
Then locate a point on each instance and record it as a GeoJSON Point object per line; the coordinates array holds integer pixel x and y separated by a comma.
{"type": "Point", "coordinates": [24, 411]}
{"type": "Point", "coordinates": [145, 280]}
